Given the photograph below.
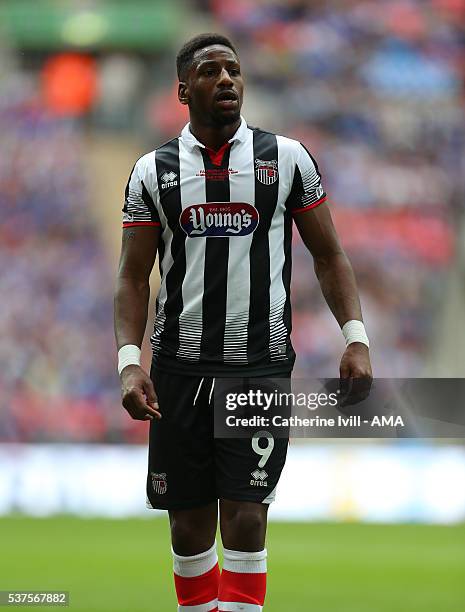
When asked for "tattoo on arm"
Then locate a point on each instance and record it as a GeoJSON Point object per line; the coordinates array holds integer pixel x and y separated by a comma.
{"type": "Point", "coordinates": [128, 235]}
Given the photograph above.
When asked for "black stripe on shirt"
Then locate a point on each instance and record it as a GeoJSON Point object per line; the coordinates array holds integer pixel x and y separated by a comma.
{"type": "Point", "coordinates": [287, 270]}
{"type": "Point", "coordinates": [215, 271]}
{"type": "Point", "coordinates": [147, 198]}
{"type": "Point", "coordinates": [167, 160]}
{"type": "Point", "coordinates": [265, 147]}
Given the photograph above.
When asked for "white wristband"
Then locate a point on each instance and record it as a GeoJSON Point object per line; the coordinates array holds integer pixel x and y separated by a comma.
{"type": "Point", "coordinates": [129, 354]}
{"type": "Point", "coordinates": [354, 331]}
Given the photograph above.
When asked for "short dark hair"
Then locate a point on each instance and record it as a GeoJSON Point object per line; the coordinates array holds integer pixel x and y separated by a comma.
{"type": "Point", "coordinates": [186, 53]}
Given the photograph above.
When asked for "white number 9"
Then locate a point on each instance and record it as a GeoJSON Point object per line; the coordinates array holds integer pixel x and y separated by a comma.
{"type": "Point", "coordinates": [263, 452]}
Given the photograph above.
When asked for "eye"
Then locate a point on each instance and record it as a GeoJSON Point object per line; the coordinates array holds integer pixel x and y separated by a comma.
{"type": "Point", "coordinates": [209, 72]}
{"type": "Point", "coordinates": [234, 72]}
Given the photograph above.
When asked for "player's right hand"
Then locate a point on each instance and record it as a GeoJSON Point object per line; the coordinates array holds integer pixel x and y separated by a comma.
{"type": "Point", "coordinates": [138, 394]}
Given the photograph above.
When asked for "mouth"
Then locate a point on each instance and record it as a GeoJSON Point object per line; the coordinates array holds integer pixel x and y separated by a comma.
{"type": "Point", "coordinates": [227, 99]}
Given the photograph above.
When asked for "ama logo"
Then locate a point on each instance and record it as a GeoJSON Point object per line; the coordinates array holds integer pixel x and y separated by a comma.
{"type": "Point", "coordinates": [219, 219]}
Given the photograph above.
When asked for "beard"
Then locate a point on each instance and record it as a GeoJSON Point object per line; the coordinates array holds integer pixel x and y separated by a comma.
{"type": "Point", "coordinates": [221, 119]}
{"type": "Point", "coordinates": [214, 117]}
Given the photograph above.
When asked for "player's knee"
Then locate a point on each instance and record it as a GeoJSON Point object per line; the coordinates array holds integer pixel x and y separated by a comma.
{"type": "Point", "coordinates": [188, 538]}
{"type": "Point", "coordinates": [245, 527]}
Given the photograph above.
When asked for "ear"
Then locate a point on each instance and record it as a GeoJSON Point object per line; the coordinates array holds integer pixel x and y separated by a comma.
{"type": "Point", "coordinates": [183, 93]}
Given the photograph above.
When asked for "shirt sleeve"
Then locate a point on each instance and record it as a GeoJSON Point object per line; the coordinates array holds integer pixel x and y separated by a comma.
{"type": "Point", "coordinates": [307, 191]}
{"type": "Point", "coordinates": [139, 207]}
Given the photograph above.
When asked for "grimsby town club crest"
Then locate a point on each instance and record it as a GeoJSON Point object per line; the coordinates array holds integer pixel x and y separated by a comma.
{"type": "Point", "coordinates": [159, 483]}
{"type": "Point", "coordinates": [219, 219]}
{"type": "Point", "coordinates": [266, 171]}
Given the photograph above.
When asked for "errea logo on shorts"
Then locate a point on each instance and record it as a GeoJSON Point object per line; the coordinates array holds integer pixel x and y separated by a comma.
{"type": "Point", "coordinates": [259, 478]}
{"type": "Point", "coordinates": [168, 179]}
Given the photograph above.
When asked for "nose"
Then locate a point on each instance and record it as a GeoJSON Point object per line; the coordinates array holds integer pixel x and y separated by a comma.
{"type": "Point", "coordinates": [225, 79]}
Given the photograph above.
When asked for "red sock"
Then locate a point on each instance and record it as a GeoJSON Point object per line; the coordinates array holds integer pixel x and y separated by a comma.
{"type": "Point", "coordinates": [196, 580]}
{"type": "Point", "coordinates": [243, 581]}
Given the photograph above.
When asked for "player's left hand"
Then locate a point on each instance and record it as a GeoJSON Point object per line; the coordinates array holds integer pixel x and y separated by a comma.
{"type": "Point", "coordinates": [355, 373]}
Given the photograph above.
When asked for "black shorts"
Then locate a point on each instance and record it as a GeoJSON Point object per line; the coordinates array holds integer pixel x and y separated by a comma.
{"type": "Point", "coordinates": [188, 466]}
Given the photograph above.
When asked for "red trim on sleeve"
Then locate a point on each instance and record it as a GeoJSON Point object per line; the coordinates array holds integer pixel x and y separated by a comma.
{"type": "Point", "coordinates": [296, 211]}
{"type": "Point", "coordinates": [136, 223]}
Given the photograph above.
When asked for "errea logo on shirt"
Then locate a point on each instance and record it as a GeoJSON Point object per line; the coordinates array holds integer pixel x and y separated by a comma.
{"type": "Point", "coordinates": [168, 179]}
{"type": "Point", "coordinates": [219, 219]}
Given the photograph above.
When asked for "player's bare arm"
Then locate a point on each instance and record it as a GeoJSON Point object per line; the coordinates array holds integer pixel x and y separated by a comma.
{"type": "Point", "coordinates": [337, 281]}
{"type": "Point", "coordinates": [138, 252]}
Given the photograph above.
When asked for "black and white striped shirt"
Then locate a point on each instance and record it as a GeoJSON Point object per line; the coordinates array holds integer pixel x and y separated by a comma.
{"type": "Point", "coordinates": [223, 308]}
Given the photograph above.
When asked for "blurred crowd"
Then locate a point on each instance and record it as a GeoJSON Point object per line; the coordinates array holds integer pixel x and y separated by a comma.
{"type": "Point", "coordinates": [57, 377]}
{"type": "Point", "coordinates": [373, 89]}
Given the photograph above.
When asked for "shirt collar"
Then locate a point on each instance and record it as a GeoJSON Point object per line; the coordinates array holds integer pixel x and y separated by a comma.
{"type": "Point", "coordinates": [191, 141]}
